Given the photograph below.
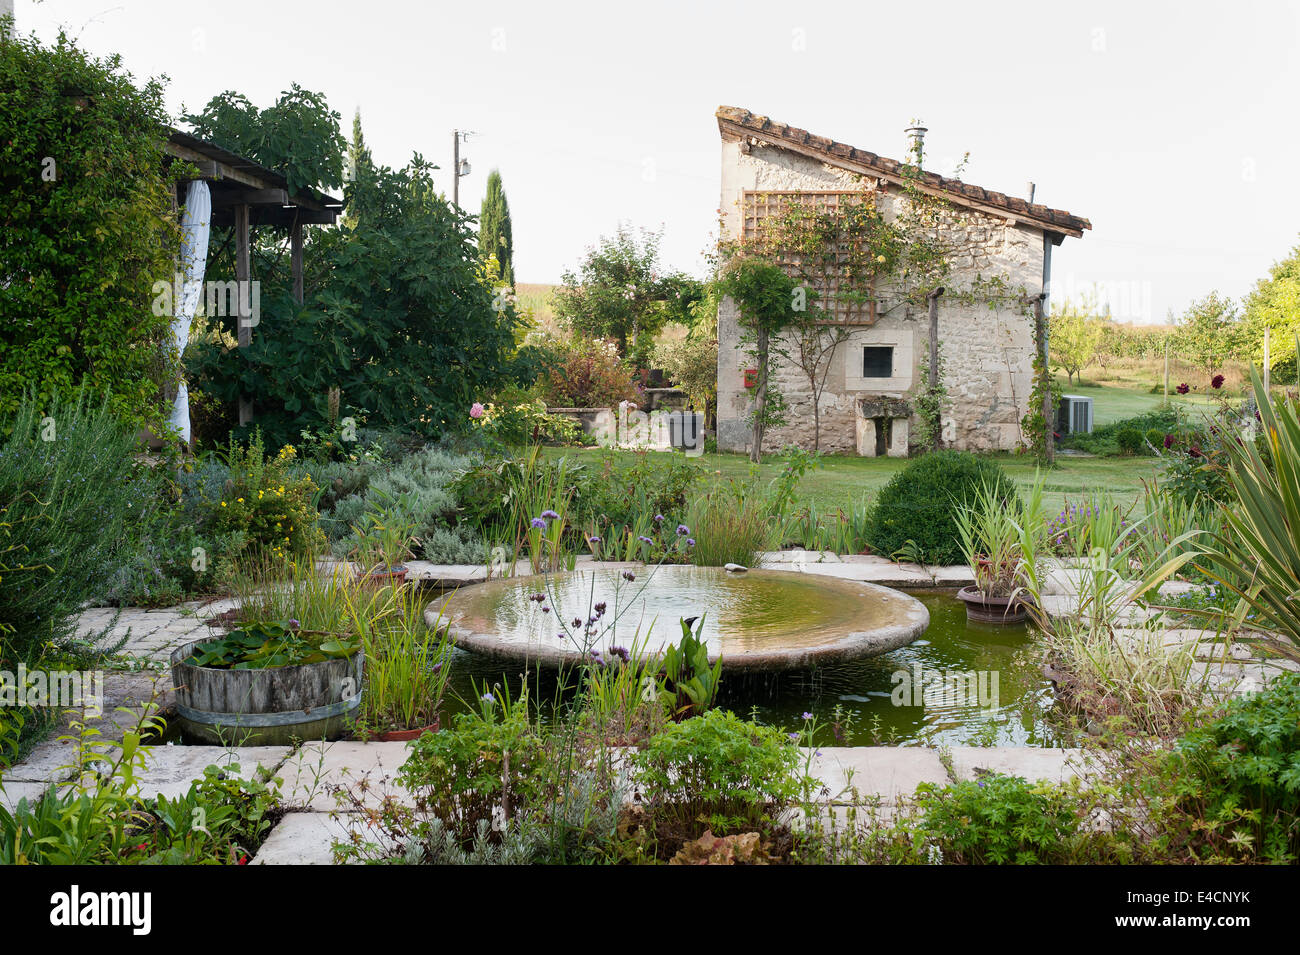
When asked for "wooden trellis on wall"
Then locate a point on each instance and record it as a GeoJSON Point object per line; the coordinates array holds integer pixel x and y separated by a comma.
{"type": "Point", "coordinates": [759, 207]}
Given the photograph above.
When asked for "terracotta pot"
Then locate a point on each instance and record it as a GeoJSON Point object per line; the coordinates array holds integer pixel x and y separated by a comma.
{"type": "Point", "coordinates": [401, 736]}
{"type": "Point", "coordinates": [379, 578]}
{"type": "Point", "coordinates": [991, 609]}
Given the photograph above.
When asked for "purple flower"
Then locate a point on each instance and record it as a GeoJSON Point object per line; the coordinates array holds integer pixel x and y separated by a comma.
{"type": "Point", "coordinates": [538, 523]}
{"type": "Point", "coordinates": [645, 540]}
{"type": "Point", "coordinates": [593, 539]}
{"type": "Point", "coordinates": [628, 575]}
{"type": "Point", "coordinates": [1183, 388]}
{"type": "Point", "coordinates": [599, 608]}
{"type": "Point", "coordinates": [690, 542]}
{"type": "Point", "coordinates": [659, 518]}
{"type": "Point", "coordinates": [550, 515]}
{"type": "Point", "coordinates": [794, 737]}
{"type": "Point", "coordinates": [807, 716]}
{"type": "Point", "coordinates": [294, 624]}
{"type": "Point", "coordinates": [1216, 382]}
{"type": "Point", "coordinates": [683, 530]}
{"type": "Point", "coordinates": [476, 410]}
{"type": "Point", "coordinates": [489, 698]}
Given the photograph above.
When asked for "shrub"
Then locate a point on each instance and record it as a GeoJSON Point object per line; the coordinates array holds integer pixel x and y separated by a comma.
{"type": "Point", "coordinates": [916, 511]}
{"type": "Point", "coordinates": [489, 760]}
{"type": "Point", "coordinates": [718, 771]}
{"type": "Point", "coordinates": [422, 486]}
{"type": "Point", "coordinates": [1105, 439]}
{"type": "Point", "coordinates": [1000, 820]}
{"type": "Point", "coordinates": [517, 417]}
{"type": "Point", "coordinates": [67, 506]}
{"type": "Point", "coordinates": [273, 510]}
{"type": "Point", "coordinates": [588, 373]}
{"type": "Point", "coordinates": [88, 228]}
{"type": "Point", "coordinates": [691, 365]}
{"type": "Point", "coordinates": [1241, 775]}
{"type": "Point", "coordinates": [1129, 440]}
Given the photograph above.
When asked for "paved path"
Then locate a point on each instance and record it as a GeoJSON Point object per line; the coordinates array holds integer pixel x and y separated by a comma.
{"type": "Point", "coordinates": [849, 776]}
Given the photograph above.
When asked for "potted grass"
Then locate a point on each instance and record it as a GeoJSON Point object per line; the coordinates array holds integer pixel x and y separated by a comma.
{"type": "Point", "coordinates": [990, 541]}
{"type": "Point", "coordinates": [408, 663]}
{"type": "Point", "coordinates": [385, 538]}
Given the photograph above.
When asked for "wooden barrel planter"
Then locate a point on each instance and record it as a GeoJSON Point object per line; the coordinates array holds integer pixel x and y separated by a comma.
{"type": "Point", "coordinates": [991, 609]}
{"type": "Point", "coordinates": [270, 707]}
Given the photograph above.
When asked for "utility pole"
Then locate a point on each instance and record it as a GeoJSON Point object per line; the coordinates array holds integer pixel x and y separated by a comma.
{"type": "Point", "coordinates": [459, 167]}
{"type": "Point", "coordinates": [455, 167]}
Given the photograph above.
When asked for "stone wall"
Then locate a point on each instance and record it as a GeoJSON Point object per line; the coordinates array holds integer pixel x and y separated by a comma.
{"type": "Point", "coordinates": [987, 354]}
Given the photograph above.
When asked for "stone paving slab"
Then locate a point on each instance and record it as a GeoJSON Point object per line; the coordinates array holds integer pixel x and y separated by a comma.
{"type": "Point", "coordinates": [1031, 763]}
{"type": "Point", "coordinates": [151, 634]}
{"type": "Point", "coordinates": [310, 772]}
{"type": "Point", "coordinates": [44, 764]}
{"type": "Point", "coordinates": [13, 792]}
{"type": "Point", "coordinates": [856, 773]}
{"type": "Point", "coordinates": [170, 769]}
{"type": "Point", "coordinates": [304, 838]}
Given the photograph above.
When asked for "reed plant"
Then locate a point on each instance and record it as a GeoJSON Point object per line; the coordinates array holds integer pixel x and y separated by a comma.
{"type": "Point", "coordinates": [730, 529]}
{"type": "Point", "coordinates": [407, 664]}
{"type": "Point", "coordinates": [990, 539]}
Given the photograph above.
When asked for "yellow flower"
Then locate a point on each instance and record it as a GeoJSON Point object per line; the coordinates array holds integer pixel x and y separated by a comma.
{"type": "Point", "coordinates": [223, 503]}
{"type": "Point", "coordinates": [240, 500]}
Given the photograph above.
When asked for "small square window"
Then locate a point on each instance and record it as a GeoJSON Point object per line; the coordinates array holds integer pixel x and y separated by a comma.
{"type": "Point", "coordinates": [878, 361]}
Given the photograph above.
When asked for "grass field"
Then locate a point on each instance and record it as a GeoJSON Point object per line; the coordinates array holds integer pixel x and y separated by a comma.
{"type": "Point", "coordinates": [1112, 401]}
{"type": "Point", "coordinates": [842, 480]}
{"type": "Point", "coordinates": [536, 297]}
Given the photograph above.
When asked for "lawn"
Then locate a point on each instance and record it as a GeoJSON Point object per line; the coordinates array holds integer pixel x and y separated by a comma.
{"type": "Point", "coordinates": [1113, 402]}
{"type": "Point", "coordinates": [843, 479]}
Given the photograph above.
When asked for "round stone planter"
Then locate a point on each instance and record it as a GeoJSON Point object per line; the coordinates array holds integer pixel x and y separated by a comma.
{"type": "Point", "coordinates": [269, 707]}
{"type": "Point", "coordinates": [991, 609]}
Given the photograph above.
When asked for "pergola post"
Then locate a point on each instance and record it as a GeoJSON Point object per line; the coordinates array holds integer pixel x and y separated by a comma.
{"type": "Point", "coordinates": [243, 275]}
{"type": "Point", "coordinates": [295, 260]}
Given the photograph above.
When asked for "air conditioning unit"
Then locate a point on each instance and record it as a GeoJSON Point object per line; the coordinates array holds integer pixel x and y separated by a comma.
{"type": "Point", "coordinates": [1074, 415]}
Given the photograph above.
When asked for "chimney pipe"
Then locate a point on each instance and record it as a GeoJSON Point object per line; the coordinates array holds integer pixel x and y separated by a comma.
{"type": "Point", "coordinates": [1031, 193]}
{"type": "Point", "coordinates": [917, 133]}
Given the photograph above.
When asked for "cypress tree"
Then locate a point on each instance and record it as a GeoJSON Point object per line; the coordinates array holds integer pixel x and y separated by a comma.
{"type": "Point", "coordinates": [494, 234]}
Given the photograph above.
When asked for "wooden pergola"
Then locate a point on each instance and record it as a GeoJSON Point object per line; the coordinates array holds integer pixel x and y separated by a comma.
{"type": "Point", "coordinates": [244, 194]}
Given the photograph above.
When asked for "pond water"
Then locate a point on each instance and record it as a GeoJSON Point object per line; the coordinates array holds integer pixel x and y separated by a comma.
{"type": "Point", "coordinates": [976, 687]}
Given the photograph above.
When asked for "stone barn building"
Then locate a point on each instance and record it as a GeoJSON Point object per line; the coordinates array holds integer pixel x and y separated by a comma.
{"type": "Point", "coordinates": [874, 375]}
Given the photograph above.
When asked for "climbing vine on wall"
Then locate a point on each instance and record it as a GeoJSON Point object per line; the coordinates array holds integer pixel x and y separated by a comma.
{"type": "Point", "coordinates": [928, 403]}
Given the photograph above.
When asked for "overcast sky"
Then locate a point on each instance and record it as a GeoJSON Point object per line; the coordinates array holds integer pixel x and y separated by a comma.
{"type": "Point", "coordinates": [1172, 126]}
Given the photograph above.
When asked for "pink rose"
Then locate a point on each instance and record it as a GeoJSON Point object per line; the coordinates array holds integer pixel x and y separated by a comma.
{"type": "Point", "coordinates": [476, 410]}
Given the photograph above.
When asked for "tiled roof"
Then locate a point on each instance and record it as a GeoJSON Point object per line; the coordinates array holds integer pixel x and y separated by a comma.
{"type": "Point", "coordinates": [741, 122]}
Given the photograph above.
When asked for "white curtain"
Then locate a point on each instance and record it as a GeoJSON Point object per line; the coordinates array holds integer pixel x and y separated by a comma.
{"type": "Point", "coordinates": [196, 226]}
